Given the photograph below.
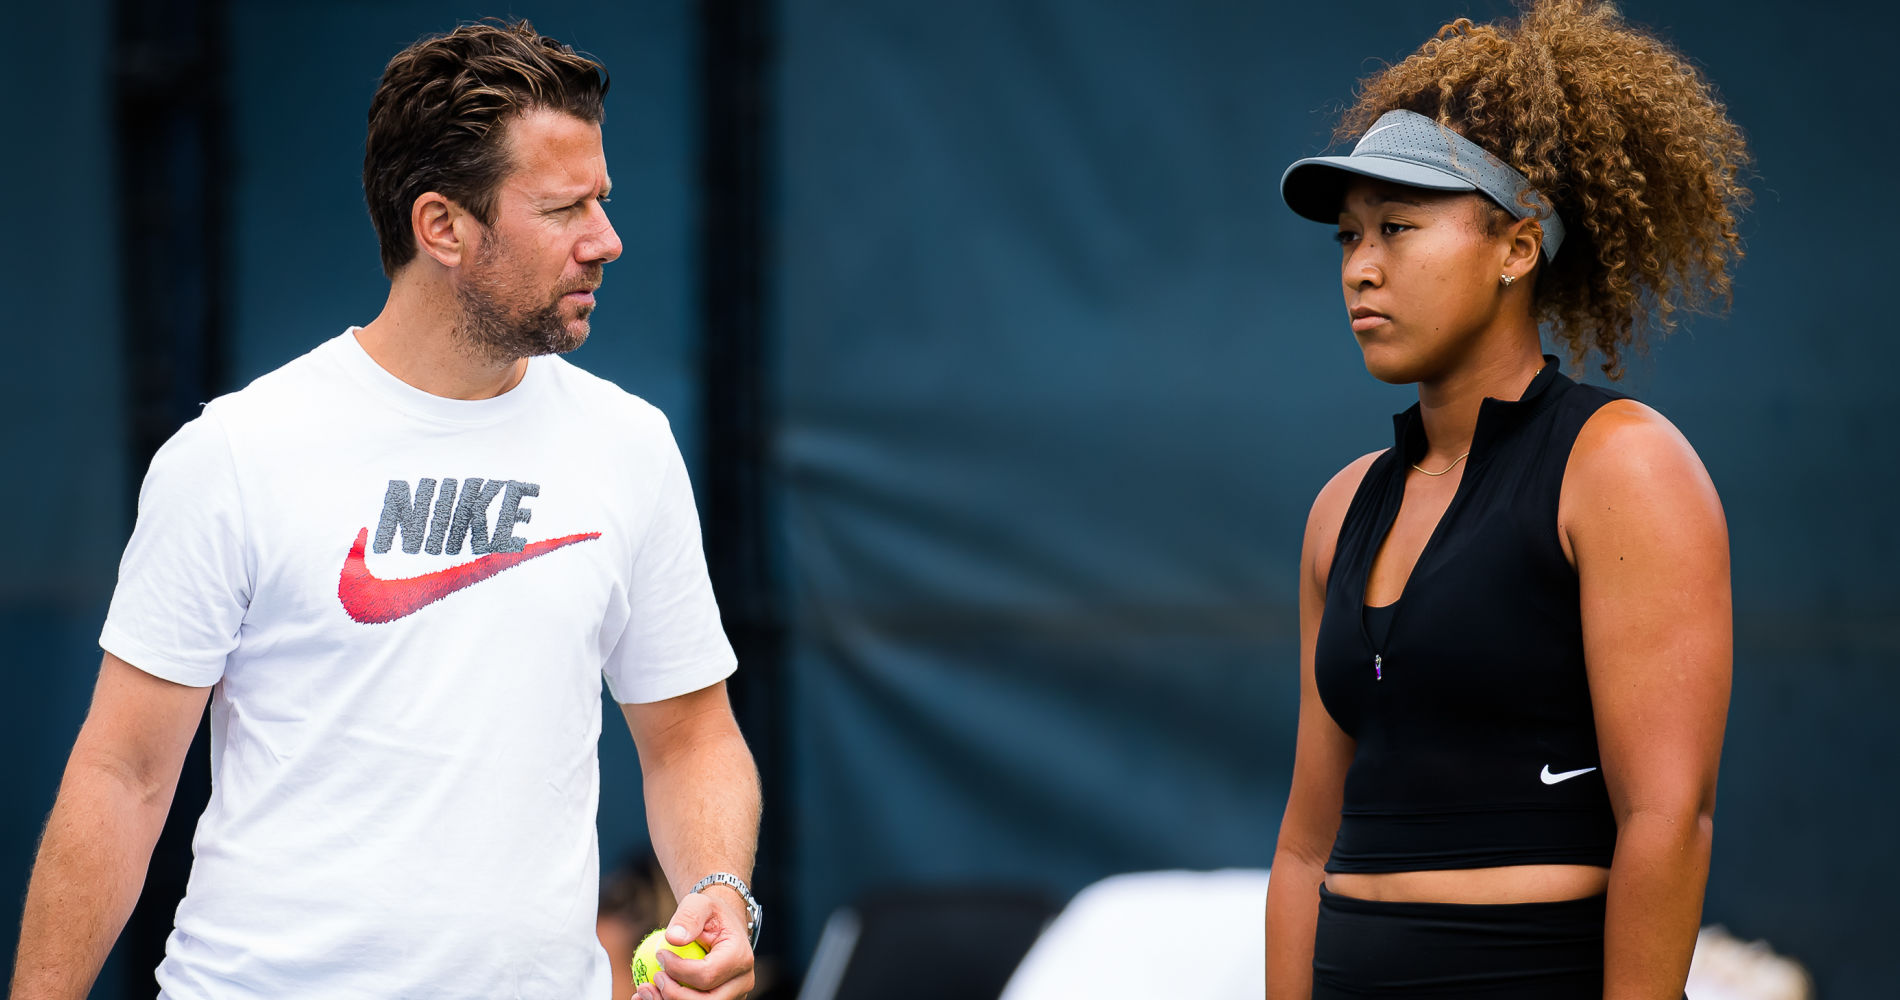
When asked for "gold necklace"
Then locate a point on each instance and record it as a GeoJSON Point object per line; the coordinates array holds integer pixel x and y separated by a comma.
{"type": "Point", "coordinates": [1448, 468]}
{"type": "Point", "coordinates": [1467, 454]}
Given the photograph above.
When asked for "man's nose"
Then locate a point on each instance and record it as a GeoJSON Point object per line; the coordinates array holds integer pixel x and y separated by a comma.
{"type": "Point", "coordinates": [601, 245]}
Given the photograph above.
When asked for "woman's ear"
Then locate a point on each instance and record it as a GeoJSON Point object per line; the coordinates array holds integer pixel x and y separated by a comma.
{"type": "Point", "coordinates": [1524, 242]}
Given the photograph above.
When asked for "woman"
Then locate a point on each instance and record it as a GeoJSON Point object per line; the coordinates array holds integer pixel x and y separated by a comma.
{"type": "Point", "coordinates": [1515, 624]}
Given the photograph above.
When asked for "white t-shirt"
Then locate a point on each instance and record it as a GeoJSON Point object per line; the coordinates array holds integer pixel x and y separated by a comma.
{"type": "Point", "coordinates": [407, 604]}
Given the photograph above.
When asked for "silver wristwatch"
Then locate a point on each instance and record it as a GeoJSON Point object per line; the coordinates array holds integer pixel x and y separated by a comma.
{"type": "Point", "coordinates": [753, 911]}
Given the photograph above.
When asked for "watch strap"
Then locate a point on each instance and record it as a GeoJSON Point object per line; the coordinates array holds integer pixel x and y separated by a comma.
{"type": "Point", "coordinates": [753, 911]}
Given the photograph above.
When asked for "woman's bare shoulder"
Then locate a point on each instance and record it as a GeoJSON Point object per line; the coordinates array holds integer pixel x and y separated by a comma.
{"type": "Point", "coordinates": [1329, 512]}
{"type": "Point", "coordinates": [1626, 441]}
{"type": "Point", "coordinates": [1631, 461]}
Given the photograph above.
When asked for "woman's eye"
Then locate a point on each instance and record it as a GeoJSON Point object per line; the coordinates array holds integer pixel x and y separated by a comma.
{"type": "Point", "coordinates": [1344, 236]}
{"type": "Point", "coordinates": [1392, 228]}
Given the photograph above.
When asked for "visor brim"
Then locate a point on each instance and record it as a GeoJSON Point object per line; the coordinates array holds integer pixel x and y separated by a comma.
{"type": "Point", "coordinates": [1314, 186]}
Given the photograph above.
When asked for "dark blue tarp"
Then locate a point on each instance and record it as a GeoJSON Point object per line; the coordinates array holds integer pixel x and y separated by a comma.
{"type": "Point", "coordinates": [62, 446]}
{"type": "Point", "coordinates": [1061, 375]}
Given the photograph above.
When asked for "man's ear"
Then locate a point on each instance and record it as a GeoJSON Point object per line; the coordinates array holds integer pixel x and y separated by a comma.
{"type": "Point", "coordinates": [443, 229]}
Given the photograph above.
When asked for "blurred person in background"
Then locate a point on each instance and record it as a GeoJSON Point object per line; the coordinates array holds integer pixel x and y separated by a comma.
{"type": "Point", "coordinates": [634, 899]}
{"type": "Point", "coordinates": [1515, 623]}
{"type": "Point", "coordinates": [404, 737]}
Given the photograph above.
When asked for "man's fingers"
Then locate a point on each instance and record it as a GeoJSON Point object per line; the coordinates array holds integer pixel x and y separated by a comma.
{"type": "Point", "coordinates": [728, 961]}
{"type": "Point", "coordinates": [689, 921]}
{"type": "Point", "coordinates": [724, 974]}
{"type": "Point", "coordinates": [687, 971]}
{"type": "Point", "coordinates": [725, 962]}
{"type": "Point", "coordinates": [731, 989]}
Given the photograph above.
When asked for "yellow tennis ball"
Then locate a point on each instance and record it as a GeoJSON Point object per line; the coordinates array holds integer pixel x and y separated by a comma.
{"type": "Point", "coordinates": [646, 962]}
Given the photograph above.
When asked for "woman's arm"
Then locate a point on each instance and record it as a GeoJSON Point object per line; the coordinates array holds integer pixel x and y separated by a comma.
{"type": "Point", "coordinates": [1643, 524]}
{"type": "Point", "coordinates": [1320, 759]}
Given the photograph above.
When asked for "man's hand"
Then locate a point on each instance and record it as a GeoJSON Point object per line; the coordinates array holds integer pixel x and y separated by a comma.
{"type": "Point", "coordinates": [715, 918]}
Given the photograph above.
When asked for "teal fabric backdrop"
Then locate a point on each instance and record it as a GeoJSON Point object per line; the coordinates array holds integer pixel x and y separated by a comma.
{"type": "Point", "coordinates": [1058, 377]}
{"type": "Point", "coordinates": [1061, 375]}
{"type": "Point", "coordinates": [63, 446]}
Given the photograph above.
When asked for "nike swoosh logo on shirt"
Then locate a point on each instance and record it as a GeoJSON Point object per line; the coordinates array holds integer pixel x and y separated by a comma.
{"type": "Point", "coordinates": [1551, 779]}
{"type": "Point", "coordinates": [372, 600]}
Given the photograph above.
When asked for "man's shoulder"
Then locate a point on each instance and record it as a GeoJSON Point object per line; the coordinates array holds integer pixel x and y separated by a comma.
{"type": "Point", "coordinates": [603, 397]}
{"type": "Point", "coordinates": [289, 387]}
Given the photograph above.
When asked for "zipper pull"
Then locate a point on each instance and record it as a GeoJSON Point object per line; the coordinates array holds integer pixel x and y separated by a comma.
{"type": "Point", "coordinates": [1378, 667]}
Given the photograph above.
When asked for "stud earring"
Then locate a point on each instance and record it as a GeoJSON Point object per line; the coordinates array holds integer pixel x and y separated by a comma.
{"type": "Point", "coordinates": [1507, 278]}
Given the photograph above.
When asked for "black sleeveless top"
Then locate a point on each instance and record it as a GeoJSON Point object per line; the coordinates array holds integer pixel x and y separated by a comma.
{"type": "Point", "coordinates": [1476, 745]}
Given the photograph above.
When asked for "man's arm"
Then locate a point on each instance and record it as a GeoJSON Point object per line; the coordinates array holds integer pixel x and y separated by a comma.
{"type": "Point", "coordinates": [112, 803]}
{"type": "Point", "coordinates": [702, 803]}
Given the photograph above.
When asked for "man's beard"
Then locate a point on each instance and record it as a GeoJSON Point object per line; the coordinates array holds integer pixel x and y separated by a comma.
{"type": "Point", "coordinates": [494, 332]}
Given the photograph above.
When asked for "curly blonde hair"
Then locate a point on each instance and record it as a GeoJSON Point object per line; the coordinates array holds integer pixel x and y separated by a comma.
{"type": "Point", "coordinates": [1620, 132]}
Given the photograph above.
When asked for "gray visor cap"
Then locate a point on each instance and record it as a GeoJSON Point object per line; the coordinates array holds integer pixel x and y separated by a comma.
{"type": "Point", "coordinates": [1407, 148]}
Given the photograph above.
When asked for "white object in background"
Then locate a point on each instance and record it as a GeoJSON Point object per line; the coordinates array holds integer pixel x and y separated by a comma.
{"type": "Point", "coordinates": [1114, 934]}
{"type": "Point", "coordinates": [1725, 968]}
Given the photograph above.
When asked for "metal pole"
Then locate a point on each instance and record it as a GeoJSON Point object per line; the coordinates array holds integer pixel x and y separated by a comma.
{"type": "Point", "coordinates": [739, 419]}
{"type": "Point", "coordinates": [173, 181]}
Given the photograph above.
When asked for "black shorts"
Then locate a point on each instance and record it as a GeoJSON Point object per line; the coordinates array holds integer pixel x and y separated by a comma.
{"type": "Point", "coordinates": [1537, 951]}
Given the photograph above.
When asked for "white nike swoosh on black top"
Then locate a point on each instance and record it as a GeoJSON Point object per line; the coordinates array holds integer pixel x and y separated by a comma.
{"type": "Point", "coordinates": [1551, 779]}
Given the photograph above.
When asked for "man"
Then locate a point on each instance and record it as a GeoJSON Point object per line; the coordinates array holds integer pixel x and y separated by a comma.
{"type": "Point", "coordinates": [405, 775]}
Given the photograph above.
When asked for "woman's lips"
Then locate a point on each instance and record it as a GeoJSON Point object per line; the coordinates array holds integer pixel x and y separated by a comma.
{"type": "Point", "coordinates": [1364, 324]}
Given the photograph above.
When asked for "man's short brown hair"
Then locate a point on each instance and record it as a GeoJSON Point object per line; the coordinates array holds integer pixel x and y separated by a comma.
{"type": "Point", "coordinates": [439, 120]}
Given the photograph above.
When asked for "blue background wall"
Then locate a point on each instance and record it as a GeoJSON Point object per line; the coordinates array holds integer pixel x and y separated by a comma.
{"type": "Point", "coordinates": [1058, 377]}
{"type": "Point", "coordinates": [1061, 375]}
{"type": "Point", "coordinates": [62, 447]}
